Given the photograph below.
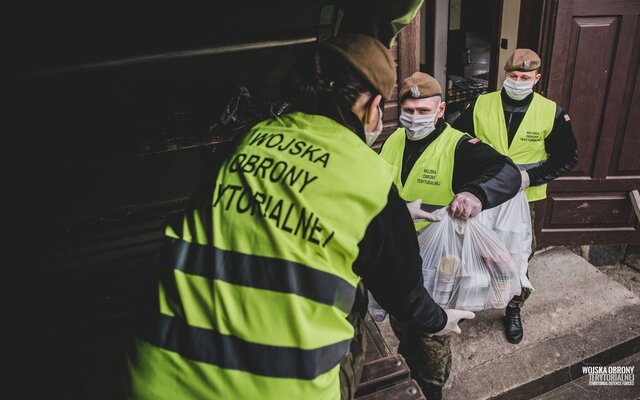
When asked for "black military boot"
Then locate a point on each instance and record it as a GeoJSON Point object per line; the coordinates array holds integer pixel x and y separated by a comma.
{"type": "Point", "coordinates": [513, 325]}
{"type": "Point", "coordinates": [432, 392]}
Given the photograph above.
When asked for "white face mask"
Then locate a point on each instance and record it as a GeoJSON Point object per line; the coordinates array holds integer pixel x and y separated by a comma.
{"type": "Point", "coordinates": [370, 137]}
{"type": "Point", "coordinates": [418, 126]}
{"type": "Point", "coordinates": [518, 90]}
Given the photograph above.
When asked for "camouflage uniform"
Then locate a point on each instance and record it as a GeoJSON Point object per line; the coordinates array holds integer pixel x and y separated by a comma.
{"type": "Point", "coordinates": [352, 364]}
{"type": "Point", "coordinates": [428, 357]}
{"type": "Point", "coordinates": [518, 301]}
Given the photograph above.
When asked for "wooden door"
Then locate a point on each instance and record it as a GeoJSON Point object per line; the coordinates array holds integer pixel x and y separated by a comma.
{"type": "Point", "coordinates": [594, 48]}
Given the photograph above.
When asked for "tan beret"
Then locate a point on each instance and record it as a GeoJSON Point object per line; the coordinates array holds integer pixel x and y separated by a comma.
{"type": "Point", "coordinates": [522, 60]}
{"type": "Point", "coordinates": [369, 57]}
{"type": "Point", "coordinates": [419, 86]}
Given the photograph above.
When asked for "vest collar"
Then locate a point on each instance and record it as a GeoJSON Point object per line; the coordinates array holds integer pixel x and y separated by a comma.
{"type": "Point", "coordinates": [515, 103]}
{"type": "Point", "coordinates": [347, 119]}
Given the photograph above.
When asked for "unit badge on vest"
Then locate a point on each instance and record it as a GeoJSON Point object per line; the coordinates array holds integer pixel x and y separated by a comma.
{"type": "Point", "coordinates": [526, 65]}
{"type": "Point", "coordinates": [415, 92]}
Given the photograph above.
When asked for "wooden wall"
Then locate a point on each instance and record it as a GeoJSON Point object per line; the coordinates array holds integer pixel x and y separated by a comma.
{"type": "Point", "coordinates": [118, 121]}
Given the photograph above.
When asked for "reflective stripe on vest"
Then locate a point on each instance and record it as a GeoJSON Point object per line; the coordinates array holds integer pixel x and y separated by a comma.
{"type": "Point", "coordinates": [260, 272]}
{"type": "Point", "coordinates": [431, 177]}
{"type": "Point", "coordinates": [257, 308]}
{"type": "Point", "coordinates": [527, 147]}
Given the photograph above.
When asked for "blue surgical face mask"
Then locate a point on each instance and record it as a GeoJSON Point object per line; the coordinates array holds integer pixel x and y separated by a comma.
{"type": "Point", "coordinates": [418, 126]}
{"type": "Point", "coordinates": [518, 90]}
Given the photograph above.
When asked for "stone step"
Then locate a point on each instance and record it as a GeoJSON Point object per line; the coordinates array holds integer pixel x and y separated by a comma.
{"type": "Point", "coordinates": [546, 365]}
{"type": "Point", "coordinates": [576, 315]}
{"type": "Point", "coordinates": [580, 389]}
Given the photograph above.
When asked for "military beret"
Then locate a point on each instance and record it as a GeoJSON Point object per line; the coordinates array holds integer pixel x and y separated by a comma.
{"type": "Point", "coordinates": [420, 86]}
{"type": "Point", "coordinates": [369, 57]}
{"type": "Point", "coordinates": [522, 60]}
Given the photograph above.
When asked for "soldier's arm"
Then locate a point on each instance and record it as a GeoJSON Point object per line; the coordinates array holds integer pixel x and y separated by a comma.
{"type": "Point", "coordinates": [561, 148]}
{"type": "Point", "coordinates": [479, 169]}
{"type": "Point", "coordinates": [391, 268]}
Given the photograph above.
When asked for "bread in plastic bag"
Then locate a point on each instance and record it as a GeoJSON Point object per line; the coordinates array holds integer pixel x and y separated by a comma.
{"type": "Point", "coordinates": [465, 265]}
{"type": "Point", "coordinates": [511, 221]}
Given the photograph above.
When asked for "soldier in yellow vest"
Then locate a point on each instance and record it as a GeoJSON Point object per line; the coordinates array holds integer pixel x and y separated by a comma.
{"type": "Point", "coordinates": [531, 129]}
{"type": "Point", "coordinates": [258, 283]}
{"type": "Point", "coordinates": [440, 166]}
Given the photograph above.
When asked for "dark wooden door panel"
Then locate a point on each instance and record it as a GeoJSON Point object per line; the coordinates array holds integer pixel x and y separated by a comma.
{"type": "Point", "coordinates": [626, 160]}
{"type": "Point", "coordinates": [590, 49]}
{"type": "Point", "coordinates": [593, 75]}
{"type": "Point", "coordinates": [596, 210]}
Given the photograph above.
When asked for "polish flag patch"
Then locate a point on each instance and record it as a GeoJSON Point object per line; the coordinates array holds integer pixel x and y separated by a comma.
{"type": "Point", "coordinates": [566, 117]}
{"type": "Point", "coordinates": [474, 140]}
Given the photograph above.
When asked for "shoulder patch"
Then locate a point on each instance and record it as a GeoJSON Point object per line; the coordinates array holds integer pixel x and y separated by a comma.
{"type": "Point", "coordinates": [566, 117]}
{"type": "Point", "coordinates": [474, 141]}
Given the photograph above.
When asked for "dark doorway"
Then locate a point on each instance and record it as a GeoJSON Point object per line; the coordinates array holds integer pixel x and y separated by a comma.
{"type": "Point", "coordinates": [472, 51]}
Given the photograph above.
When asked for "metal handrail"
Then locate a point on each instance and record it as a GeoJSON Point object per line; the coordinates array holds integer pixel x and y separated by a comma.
{"type": "Point", "coordinates": [171, 56]}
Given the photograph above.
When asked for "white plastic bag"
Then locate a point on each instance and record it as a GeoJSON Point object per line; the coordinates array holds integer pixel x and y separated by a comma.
{"type": "Point", "coordinates": [465, 265]}
{"type": "Point", "coordinates": [377, 312]}
{"type": "Point", "coordinates": [511, 221]}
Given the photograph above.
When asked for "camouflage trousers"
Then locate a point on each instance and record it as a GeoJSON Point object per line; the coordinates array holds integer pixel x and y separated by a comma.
{"type": "Point", "coordinates": [352, 364]}
{"type": "Point", "coordinates": [518, 301]}
{"type": "Point", "coordinates": [428, 357]}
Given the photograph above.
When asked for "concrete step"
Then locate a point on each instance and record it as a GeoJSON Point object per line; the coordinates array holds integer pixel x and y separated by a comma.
{"type": "Point", "coordinates": [576, 315]}
{"type": "Point", "coordinates": [580, 389]}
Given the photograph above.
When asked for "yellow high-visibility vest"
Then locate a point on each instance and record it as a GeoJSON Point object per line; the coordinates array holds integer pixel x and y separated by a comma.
{"type": "Point", "coordinates": [262, 280]}
{"type": "Point", "coordinates": [431, 177]}
{"type": "Point", "coordinates": [527, 148]}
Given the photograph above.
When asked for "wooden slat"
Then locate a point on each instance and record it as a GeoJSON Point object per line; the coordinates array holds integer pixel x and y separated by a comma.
{"type": "Point", "coordinates": [635, 201]}
{"type": "Point", "coordinates": [102, 269]}
{"type": "Point", "coordinates": [382, 373]}
{"type": "Point", "coordinates": [405, 390]}
{"type": "Point", "coordinates": [165, 29]}
{"type": "Point", "coordinates": [376, 346]}
{"type": "Point", "coordinates": [409, 49]}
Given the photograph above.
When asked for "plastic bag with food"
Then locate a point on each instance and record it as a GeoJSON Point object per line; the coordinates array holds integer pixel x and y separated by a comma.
{"type": "Point", "coordinates": [511, 221]}
{"type": "Point", "coordinates": [465, 265]}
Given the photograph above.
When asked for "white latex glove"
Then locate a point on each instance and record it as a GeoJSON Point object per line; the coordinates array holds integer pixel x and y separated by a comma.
{"type": "Point", "coordinates": [453, 318]}
{"type": "Point", "coordinates": [525, 180]}
{"type": "Point", "coordinates": [420, 215]}
{"type": "Point", "coordinates": [465, 205]}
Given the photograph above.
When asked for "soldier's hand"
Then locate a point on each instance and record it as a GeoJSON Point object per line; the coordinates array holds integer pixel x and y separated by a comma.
{"type": "Point", "coordinates": [453, 318]}
{"type": "Point", "coordinates": [465, 205]}
{"type": "Point", "coordinates": [418, 214]}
